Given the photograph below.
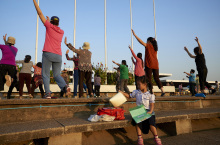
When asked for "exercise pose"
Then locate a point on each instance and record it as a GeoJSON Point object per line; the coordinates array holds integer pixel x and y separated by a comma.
{"type": "Point", "coordinates": [201, 66]}
{"type": "Point", "coordinates": [52, 54]}
{"type": "Point", "coordinates": [151, 62]}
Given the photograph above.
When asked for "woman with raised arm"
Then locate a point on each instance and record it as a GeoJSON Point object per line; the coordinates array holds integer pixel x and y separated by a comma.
{"type": "Point", "coordinates": [201, 66]}
{"type": "Point", "coordinates": [7, 62]}
{"type": "Point", "coordinates": [139, 65]}
{"type": "Point", "coordinates": [52, 54]}
{"type": "Point", "coordinates": [84, 66]}
{"type": "Point", "coordinates": [151, 62]}
{"type": "Point", "coordinates": [123, 75]}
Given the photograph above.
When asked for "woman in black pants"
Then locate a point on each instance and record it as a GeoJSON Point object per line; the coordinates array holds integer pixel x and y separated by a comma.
{"type": "Point", "coordinates": [201, 66]}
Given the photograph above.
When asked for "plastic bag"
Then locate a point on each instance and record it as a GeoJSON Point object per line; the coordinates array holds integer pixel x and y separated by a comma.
{"type": "Point", "coordinates": [94, 118]}
{"type": "Point", "coordinates": [106, 117]}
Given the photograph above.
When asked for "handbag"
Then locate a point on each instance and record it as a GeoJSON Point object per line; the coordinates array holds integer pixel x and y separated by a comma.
{"type": "Point", "coordinates": [118, 113]}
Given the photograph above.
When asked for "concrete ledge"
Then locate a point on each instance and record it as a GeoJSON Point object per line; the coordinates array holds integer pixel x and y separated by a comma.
{"type": "Point", "coordinates": [15, 132]}
{"type": "Point", "coordinates": [104, 99]}
{"type": "Point", "coordinates": [29, 130]}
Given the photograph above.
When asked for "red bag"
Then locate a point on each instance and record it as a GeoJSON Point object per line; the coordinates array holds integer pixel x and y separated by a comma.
{"type": "Point", "coordinates": [117, 112]}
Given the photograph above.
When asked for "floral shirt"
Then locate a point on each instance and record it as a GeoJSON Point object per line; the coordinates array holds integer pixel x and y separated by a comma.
{"type": "Point", "coordinates": [84, 63]}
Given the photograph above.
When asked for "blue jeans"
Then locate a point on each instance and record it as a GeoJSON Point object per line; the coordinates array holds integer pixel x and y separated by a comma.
{"type": "Point", "coordinates": [76, 81]}
{"type": "Point", "coordinates": [54, 60]}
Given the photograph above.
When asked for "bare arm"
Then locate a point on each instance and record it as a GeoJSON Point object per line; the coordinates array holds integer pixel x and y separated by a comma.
{"type": "Point", "coordinates": [39, 12]}
{"type": "Point", "coordinates": [134, 55]}
{"type": "Point", "coordinates": [151, 108]}
{"type": "Point", "coordinates": [116, 63]}
{"type": "Point", "coordinates": [71, 47]}
{"type": "Point", "coordinates": [125, 94]}
{"type": "Point", "coordinates": [67, 56]}
{"type": "Point", "coordinates": [4, 38]}
{"type": "Point", "coordinates": [187, 73]}
{"type": "Point", "coordinates": [200, 47]}
{"type": "Point", "coordinates": [132, 60]}
{"type": "Point", "coordinates": [138, 39]}
{"type": "Point", "coordinates": [190, 55]}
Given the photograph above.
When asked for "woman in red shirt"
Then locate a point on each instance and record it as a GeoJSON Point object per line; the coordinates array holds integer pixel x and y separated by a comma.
{"type": "Point", "coordinates": [151, 62]}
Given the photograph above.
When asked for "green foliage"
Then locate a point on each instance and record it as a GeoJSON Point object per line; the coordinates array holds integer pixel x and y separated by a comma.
{"type": "Point", "coordinates": [111, 77]}
{"type": "Point", "coordinates": [99, 68]}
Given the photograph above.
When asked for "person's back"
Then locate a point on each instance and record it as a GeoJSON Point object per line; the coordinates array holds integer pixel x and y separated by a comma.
{"type": "Point", "coordinates": [53, 38]}
{"type": "Point", "coordinates": [8, 54]}
{"type": "Point", "coordinates": [123, 72]}
{"type": "Point", "coordinates": [192, 78]}
{"type": "Point", "coordinates": [97, 81]}
{"type": "Point", "coordinates": [26, 67]}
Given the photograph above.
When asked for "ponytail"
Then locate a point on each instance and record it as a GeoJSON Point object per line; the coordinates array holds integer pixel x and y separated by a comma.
{"type": "Point", "coordinates": [139, 55]}
{"type": "Point", "coordinates": [153, 42]}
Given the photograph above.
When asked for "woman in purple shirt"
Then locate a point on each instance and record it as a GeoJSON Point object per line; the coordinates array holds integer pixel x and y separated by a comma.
{"type": "Point", "coordinates": [7, 62]}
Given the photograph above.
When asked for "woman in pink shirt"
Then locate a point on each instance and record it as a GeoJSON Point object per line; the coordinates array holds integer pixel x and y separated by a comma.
{"type": "Point", "coordinates": [139, 65]}
{"type": "Point", "coordinates": [52, 54]}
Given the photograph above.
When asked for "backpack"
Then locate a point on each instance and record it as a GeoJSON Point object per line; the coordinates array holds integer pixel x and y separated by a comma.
{"type": "Point", "coordinates": [117, 112]}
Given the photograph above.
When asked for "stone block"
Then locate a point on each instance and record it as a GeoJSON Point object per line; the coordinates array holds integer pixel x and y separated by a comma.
{"type": "Point", "coordinates": [66, 139]}
{"type": "Point", "coordinates": [183, 126]}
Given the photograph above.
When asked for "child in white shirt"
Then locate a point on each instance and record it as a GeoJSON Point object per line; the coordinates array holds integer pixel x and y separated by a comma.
{"type": "Point", "coordinates": [147, 99]}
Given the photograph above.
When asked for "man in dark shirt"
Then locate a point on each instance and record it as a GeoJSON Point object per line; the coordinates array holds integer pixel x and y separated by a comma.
{"type": "Point", "coordinates": [201, 67]}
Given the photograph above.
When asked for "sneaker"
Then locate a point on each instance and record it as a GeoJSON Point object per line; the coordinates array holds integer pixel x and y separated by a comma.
{"type": "Point", "coordinates": [158, 141]}
{"type": "Point", "coordinates": [140, 141]}
{"type": "Point", "coordinates": [8, 80]}
{"type": "Point", "coordinates": [47, 96]}
{"type": "Point", "coordinates": [162, 94]}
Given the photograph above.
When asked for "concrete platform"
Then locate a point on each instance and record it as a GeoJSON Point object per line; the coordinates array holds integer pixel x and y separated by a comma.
{"type": "Point", "coordinates": [15, 132]}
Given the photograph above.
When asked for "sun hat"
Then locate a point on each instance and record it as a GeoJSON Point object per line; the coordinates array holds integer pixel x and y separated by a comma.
{"type": "Point", "coordinates": [54, 18]}
{"type": "Point", "coordinates": [11, 40]}
{"type": "Point", "coordinates": [86, 45]}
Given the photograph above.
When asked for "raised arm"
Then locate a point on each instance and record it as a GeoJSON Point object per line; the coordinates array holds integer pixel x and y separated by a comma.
{"type": "Point", "coordinates": [200, 47]}
{"type": "Point", "coordinates": [190, 55]}
{"type": "Point", "coordinates": [71, 47]}
{"type": "Point", "coordinates": [138, 39]}
{"type": "Point", "coordinates": [4, 38]}
{"type": "Point", "coordinates": [67, 56]}
{"type": "Point", "coordinates": [187, 73]}
{"type": "Point", "coordinates": [132, 59]}
{"type": "Point", "coordinates": [39, 12]}
{"type": "Point", "coordinates": [134, 55]}
{"type": "Point", "coordinates": [19, 61]}
{"type": "Point", "coordinates": [116, 63]}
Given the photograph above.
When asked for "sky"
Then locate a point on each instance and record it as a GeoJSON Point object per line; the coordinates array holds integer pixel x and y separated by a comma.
{"type": "Point", "coordinates": [178, 22]}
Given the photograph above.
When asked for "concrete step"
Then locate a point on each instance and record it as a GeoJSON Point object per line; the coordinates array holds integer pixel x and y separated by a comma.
{"type": "Point", "coordinates": [39, 109]}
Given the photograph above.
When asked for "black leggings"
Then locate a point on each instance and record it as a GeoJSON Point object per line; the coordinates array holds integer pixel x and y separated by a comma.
{"type": "Point", "coordinates": [4, 69]}
{"type": "Point", "coordinates": [202, 79]}
{"type": "Point", "coordinates": [148, 72]}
